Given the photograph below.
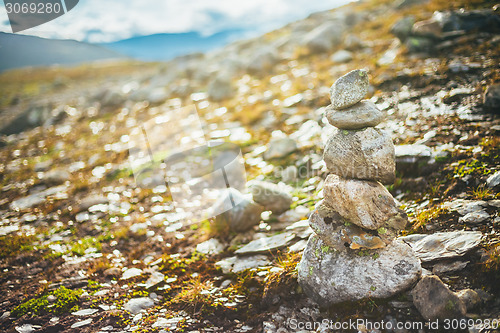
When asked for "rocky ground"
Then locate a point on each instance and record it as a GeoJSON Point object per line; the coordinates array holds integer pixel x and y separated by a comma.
{"type": "Point", "coordinates": [84, 249]}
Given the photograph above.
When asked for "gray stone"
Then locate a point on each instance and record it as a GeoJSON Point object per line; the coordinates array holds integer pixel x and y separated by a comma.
{"type": "Point", "coordinates": [7, 229]}
{"type": "Point", "coordinates": [410, 158]}
{"type": "Point", "coordinates": [136, 305]}
{"type": "Point", "coordinates": [363, 203]}
{"type": "Point", "coordinates": [427, 28]}
{"type": "Point", "coordinates": [170, 323]}
{"type": "Point", "coordinates": [464, 207]}
{"type": "Point", "coordinates": [339, 234]}
{"type": "Point", "coordinates": [448, 267]}
{"type": "Point", "coordinates": [266, 244]}
{"type": "Point", "coordinates": [84, 312]}
{"type": "Point", "coordinates": [323, 38]}
{"type": "Point", "coordinates": [26, 328]}
{"type": "Point", "coordinates": [469, 297]}
{"type": "Point", "coordinates": [402, 28]}
{"type": "Point", "coordinates": [360, 115]}
{"type": "Point", "coordinates": [154, 279]}
{"type": "Point", "coordinates": [236, 211]}
{"type": "Point", "coordinates": [329, 276]}
{"type": "Point", "coordinates": [220, 88]}
{"type": "Point", "coordinates": [92, 200]}
{"type": "Point", "coordinates": [211, 246]}
{"type": "Point", "coordinates": [279, 148]}
{"type": "Point", "coordinates": [112, 272]}
{"type": "Point", "coordinates": [349, 89]}
{"type": "Point", "coordinates": [491, 98]}
{"type": "Point", "coordinates": [434, 300]}
{"type": "Point", "coordinates": [493, 180]}
{"type": "Point", "coordinates": [131, 273]}
{"type": "Point", "coordinates": [262, 61]}
{"type": "Point", "coordinates": [419, 44]}
{"type": "Point", "coordinates": [271, 196]}
{"type": "Point", "coordinates": [36, 198]}
{"type": "Point", "coordinates": [474, 217]}
{"type": "Point", "coordinates": [341, 56]}
{"type": "Point", "coordinates": [442, 245]}
{"type": "Point", "coordinates": [82, 323]}
{"type": "Point", "coordinates": [363, 154]}
{"type": "Point", "coordinates": [239, 264]}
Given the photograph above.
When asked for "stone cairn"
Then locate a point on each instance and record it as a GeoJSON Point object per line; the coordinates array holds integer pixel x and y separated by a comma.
{"type": "Point", "coordinates": [353, 253]}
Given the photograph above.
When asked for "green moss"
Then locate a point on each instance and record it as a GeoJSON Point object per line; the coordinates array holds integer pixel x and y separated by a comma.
{"type": "Point", "coordinates": [325, 248]}
{"type": "Point", "coordinates": [381, 230]}
{"type": "Point", "coordinates": [66, 301]}
{"type": "Point", "coordinates": [373, 288]}
{"type": "Point", "coordinates": [375, 256]}
{"type": "Point", "coordinates": [450, 305]}
{"type": "Point", "coordinates": [12, 245]}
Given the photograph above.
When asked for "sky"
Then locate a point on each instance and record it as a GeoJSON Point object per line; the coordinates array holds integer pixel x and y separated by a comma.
{"type": "Point", "coordinates": [99, 21]}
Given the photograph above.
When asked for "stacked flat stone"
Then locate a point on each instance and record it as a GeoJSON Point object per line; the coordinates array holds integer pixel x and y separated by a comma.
{"type": "Point", "coordinates": [353, 253]}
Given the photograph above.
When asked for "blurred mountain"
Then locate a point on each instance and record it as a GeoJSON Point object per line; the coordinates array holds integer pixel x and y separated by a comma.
{"type": "Point", "coordinates": [166, 46]}
{"type": "Point", "coordinates": [21, 51]}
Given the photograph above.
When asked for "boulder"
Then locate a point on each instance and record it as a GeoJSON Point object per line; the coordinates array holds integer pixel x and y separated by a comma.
{"type": "Point", "coordinates": [279, 148]}
{"type": "Point", "coordinates": [491, 100]}
{"type": "Point", "coordinates": [362, 154]}
{"type": "Point", "coordinates": [330, 276]}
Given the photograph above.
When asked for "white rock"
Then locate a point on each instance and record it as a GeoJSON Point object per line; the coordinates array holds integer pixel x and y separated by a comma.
{"type": "Point", "coordinates": [474, 217]}
{"type": "Point", "coordinates": [279, 148]}
{"type": "Point", "coordinates": [130, 273]}
{"type": "Point", "coordinates": [341, 56]}
{"type": "Point", "coordinates": [270, 196]}
{"type": "Point", "coordinates": [211, 246]}
{"type": "Point", "coordinates": [136, 305]}
{"type": "Point", "coordinates": [82, 323]}
{"type": "Point", "coordinates": [493, 180]}
{"type": "Point", "coordinates": [236, 264]}
{"type": "Point", "coordinates": [266, 244]}
{"type": "Point", "coordinates": [84, 312]}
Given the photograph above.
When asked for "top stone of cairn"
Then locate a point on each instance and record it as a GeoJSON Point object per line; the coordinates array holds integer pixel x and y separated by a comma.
{"type": "Point", "coordinates": [349, 89]}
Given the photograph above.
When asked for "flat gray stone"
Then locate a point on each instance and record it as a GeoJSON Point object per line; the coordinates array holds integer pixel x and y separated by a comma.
{"type": "Point", "coordinates": [266, 244]}
{"type": "Point", "coordinates": [237, 264]}
{"type": "Point", "coordinates": [464, 207]}
{"type": "Point", "coordinates": [493, 180]}
{"type": "Point", "coordinates": [131, 273]}
{"type": "Point", "coordinates": [448, 267]}
{"type": "Point", "coordinates": [236, 211]}
{"type": "Point", "coordinates": [349, 89]}
{"type": "Point", "coordinates": [442, 245]}
{"type": "Point", "coordinates": [329, 276]}
{"type": "Point", "coordinates": [36, 198]}
{"type": "Point", "coordinates": [270, 196]}
{"type": "Point", "coordinates": [84, 312]}
{"type": "Point", "coordinates": [474, 217]}
{"type": "Point", "coordinates": [363, 154]}
{"type": "Point", "coordinates": [434, 300]}
{"type": "Point", "coordinates": [82, 323]}
{"type": "Point", "coordinates": [360, 115]}
{"type": "Point", "coordinates": [363, 203]}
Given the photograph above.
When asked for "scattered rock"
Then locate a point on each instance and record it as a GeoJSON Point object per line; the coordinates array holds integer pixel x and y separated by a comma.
{"type": "Point", "coordinates": [402, 28]}
{"type": "Point", "coordinates": [82, 323]}
{"type": "Point", "coordinates": [434, 300]}
{"type": "Point", "coordinates": [493, 180]}
{"type": "Point", "coordinates": [491, 98]}
{"type": "Point", "coordinates": [411, 158]}
{"type": "Point", "coordinates": [464, 207]}
{"type": "Point", "coordinates": [366, 204]}
{"type": "Point", "coordinates": [36, 198]}
{"type": "Point", "coordinates": [279, 148]}
{"type": "Point", "coordinates": [448, 267]}
{"type": "Point", "coordinates": [270, 196]}
{"type": "Point", "coordinates": [5, 230]}
{"type": "Point", "coordinates": [92, 200]}
{"type": "Point", "coordinates": [136, 305]}
{"type": "Point", "coordinates": [323, 38]}
{"type": "Point", "coordinates": [154, 279]}
{"type": "Point", "coordinates": [349, 89]}
{"type": "Point", "coordinates": [26, 328]}
{"type": "Point", "coordinates": [364, 154]}
{"type": "Point", "coordinates": [239, 264]}
{"type": "Point", "coordinates": [442, 245]}
{"type": "Point", "coordinates": [220, 88]}
{"type": "Point", "coordinates": [211, 246]}
{"type": "Point", "coordinates": [474, 217]}
{"type": "Point", "coordinates": [361, 115]}
{"type": "Point", "coordinates": [420, 44]}
{"type": "Point", "coordinates": [263, 61]}
{"type": "Point", "coordinates": [170, 323]}
{"type": "Point", "coordinates": [332, 276]}
{"type": "Point", "coordinates": [112, 272]}
{"type": "Point", "coordinates": [131, 273]}
{"type": "Point", "coordinates": [469, 297]}
{"type": "Point", "coordinates": [427, 28]}
{"type": "Point", "coordinates": [341, 56]}
{"type": "Point", "coordinates": [266, 244]}
{"type": "Point", "coordinates": [236, 211]}
{"type": "Point", "coordinates": [84, 312]}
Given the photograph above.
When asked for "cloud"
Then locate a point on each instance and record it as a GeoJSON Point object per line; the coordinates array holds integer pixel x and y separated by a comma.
{"type": "Point", "coordinates": [110, 20]}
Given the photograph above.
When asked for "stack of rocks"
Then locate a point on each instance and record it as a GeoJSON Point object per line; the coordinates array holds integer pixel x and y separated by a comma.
{"type": "Point", "coordinates": [353, 253]}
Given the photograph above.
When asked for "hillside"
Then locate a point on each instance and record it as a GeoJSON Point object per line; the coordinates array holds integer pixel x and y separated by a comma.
{"type": "Point", "coordinates": [107, 204]}
{"type": "Point", "coordinates": [20, 51]}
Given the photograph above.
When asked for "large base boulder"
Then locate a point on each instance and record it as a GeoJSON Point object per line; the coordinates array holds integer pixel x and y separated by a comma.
{"type": "Point", "coordinates": [330, 276]}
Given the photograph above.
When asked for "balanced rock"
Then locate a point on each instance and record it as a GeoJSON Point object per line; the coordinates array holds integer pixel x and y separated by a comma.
{"type": "Point", "coordinates": [360, 115]}
{"type": "Point", "coordinates": [349, 89]}
{"type": "Point", "coordinates": [332, 276]}
{"type": "Point", "coordinates": [364, 154]}
{"type": "Point", "coordinates": [339, 233]}
{"type": "Point", "coordinates": [364, 203]}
